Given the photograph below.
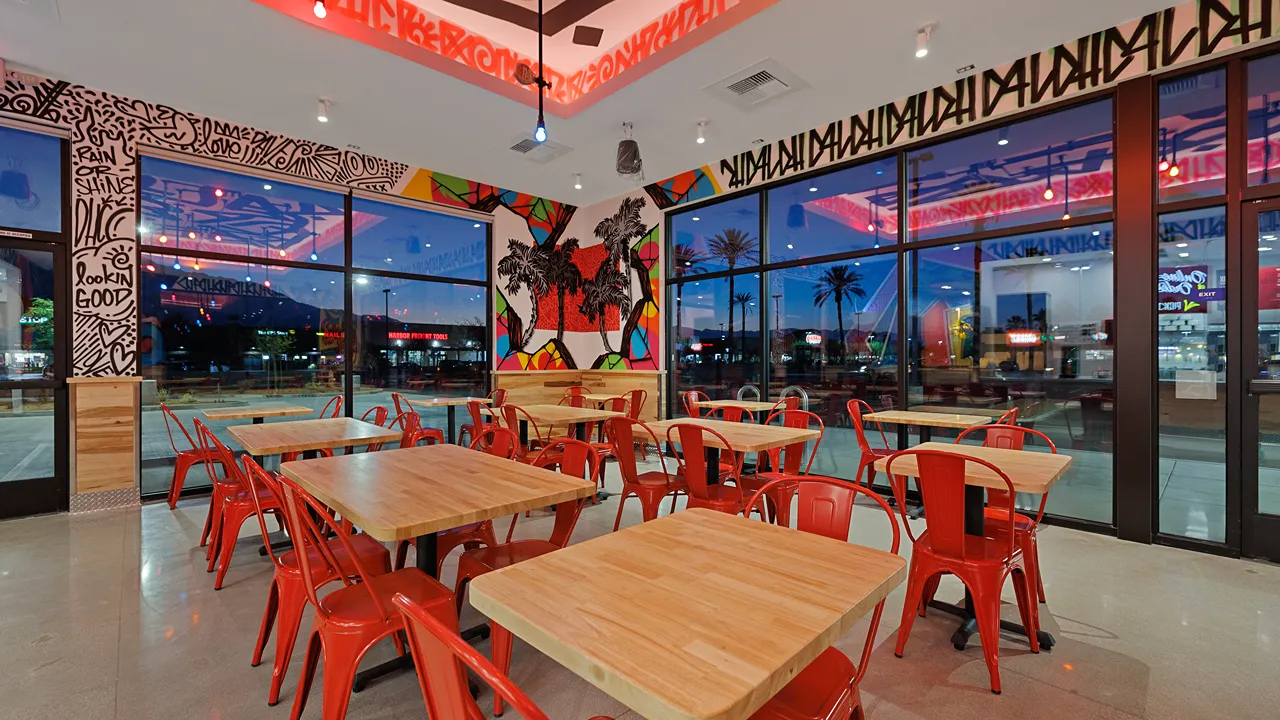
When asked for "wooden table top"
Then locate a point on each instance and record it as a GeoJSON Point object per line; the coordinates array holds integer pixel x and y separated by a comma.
{"type": "Point", "coordinates": [744, 437]}
{"type": "Point", "coordinates": [256, 411]}
{"type": "Point", "coordinates": [1031, 471]}
{"type": "Point", "coordinates": [403, 494]}
{"type": "Point", "coordinates": [563, 414]}
{"type": "Point", "coordinates": [602, 397]}
{"type": "Point", "coordinates": [752, 405]}
{"type": "Point", "coordinates": [959, 410]}
{"type": "Point", "coordinates": [445, 401]}
{"type": "Point", "coordinates": [932, 419]}
{"type": "Point", "coordinates": [697, 614]}
{"type": "Point", "coordinates": [304, 435]}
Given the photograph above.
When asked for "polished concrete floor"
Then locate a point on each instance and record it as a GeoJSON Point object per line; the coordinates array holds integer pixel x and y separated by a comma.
{"type": "Point", "coordinates": [112, 616]}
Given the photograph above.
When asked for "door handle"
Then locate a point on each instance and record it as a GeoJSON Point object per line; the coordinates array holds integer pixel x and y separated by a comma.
{"type": "Point", "coordinates": [1264, 387]}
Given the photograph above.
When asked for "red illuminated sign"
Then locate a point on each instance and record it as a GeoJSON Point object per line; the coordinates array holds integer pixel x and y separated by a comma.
{"type": "Point", "coordinates": [1022, 338]}
{"type": "Point", "coordinates": [419, 336]}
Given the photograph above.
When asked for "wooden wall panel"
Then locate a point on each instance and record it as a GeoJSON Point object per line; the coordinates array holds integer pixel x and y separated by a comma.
{"type": "Point", "coordinates": [548, 386]}
{"type": "Point", "coordinates": [104, 434]}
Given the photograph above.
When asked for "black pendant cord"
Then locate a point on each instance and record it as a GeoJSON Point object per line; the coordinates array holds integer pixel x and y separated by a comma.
{"type": "Point", "coordinates": [542, 82]}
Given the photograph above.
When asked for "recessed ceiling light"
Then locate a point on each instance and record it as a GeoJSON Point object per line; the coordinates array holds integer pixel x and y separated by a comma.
{"type": "Point", "coordinates": [813, 189]}
{"type": "Point", "coordinates": [790, 246]}
{"type": "Point", "coordinates": [1048, 259]}
{"type": "Point", "coordinates": [362, 280]}
{"type": "Point", "coordinates": [1097, 232]}
{"type": "Point", "coordinates": [1182, 244]}
{"type": "Point", "coordinates": [696, 218]}
{"type": "Point", "coordinates": [577, 181]}
{"type": "Point", "coordinates": [1263, 249]}
{"type": "Point", "coordinates": [266, 186]}
{"type": "Point", "coordinates": [702, 136]}
{"type": "Point", "coordinates": [946, 287]}
{"type": "Point", "coordinates": [1184, 254]}
{"type": "Point", "coordinates": [922, 40]}
{"type": "Point", "coordinates": [964, 292]}
{"type": "Point", "coordinates": [322, 113]}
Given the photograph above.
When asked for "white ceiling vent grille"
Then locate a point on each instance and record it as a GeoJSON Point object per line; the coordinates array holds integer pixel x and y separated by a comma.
{"type": "Point", "coordinates": [757, 85]}
{"type": "Point", "coordinates": [538, 152]}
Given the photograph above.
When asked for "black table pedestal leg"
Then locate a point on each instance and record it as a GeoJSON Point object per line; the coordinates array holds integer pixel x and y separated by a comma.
{"type": "Point", "coordinates": [451, 433]}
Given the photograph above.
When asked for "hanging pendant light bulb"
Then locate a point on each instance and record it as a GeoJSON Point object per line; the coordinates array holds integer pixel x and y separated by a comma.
{"type": "Point", "coordinates": [320, 10]}
{"type": "Point", "coordinates": [1174, 170]}
{"type": "Point", "coordinates": [540, 133]}
{"type": "Point", "coordinates": [177, 265]}
{"type": "Point", "coordinates": [524, 75]}
{"type": "Point", "coordinates": [1048, 177]}
{"type": "Point", "coordinates": [1164, 161]}
{"type": "Point", "coordinates": [1066, 188]}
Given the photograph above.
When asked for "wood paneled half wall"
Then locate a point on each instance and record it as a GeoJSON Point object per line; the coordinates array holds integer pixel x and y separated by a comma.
{"type": "Point", "coordinates": [546, 387]}
{"type": "Point", "coordinates": [104, 442]}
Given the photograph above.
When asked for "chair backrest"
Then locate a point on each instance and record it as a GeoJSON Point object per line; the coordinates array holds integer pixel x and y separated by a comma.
{"type": "Point", "coordinates": [497, 441]}
{"type": "Point", "coordinates": [575, 459]}
{"type": "Point", "coordinates": [621, 432]}
{"type": "Point", "coordinates": [499, 397]}
{"type": "Point", "coordinates": [789, 458]}
{"type": "Point", "coordinates": [211, 446]}
{"type": "Point", "coordinates": [311, 545]}
{"type": "Point", "coordinates": [258, 479]}
{"type": "Point", "coordinates": [941, 479]}
{"type": "Point", "coordinates": [407, 423]}
{"type": "Point", "coordinates": [379, 413]}
{"type": "Point", "coordinates": [442, 658]}
{"type": "Point", "coordinates": [689, 397]}
{"type": "Point", "coordinates": [787, 403]}
{"type": "Point", "coordinates": [692, 454]}
{"type": "Point", "coordinates": [730, 414]}
{"type": "Point", "coordinates": [1008, 437]}
{"type": "Point", "coordinates": [825, 508]}
{"type": "Point", "coordinates": [636, 399]}
{"type": "Point", "coordinates": [477, 417]}
{"type": "Point", "coordinates": [576, 390]}
{"type": "Point", "coordinates": [401, 404]}
{"type": "Point", "coordinates": [513, 415]}
{"type": "Point", "coordinates": [856, 409]}
{"type": "Point", "coordinates": [573, 400]}
{"type": "Point", "coordinates": [335, 403]}
{"type": "Point", "coordinates": [1009, 418]}
{"type": "Point", "coordinates": [168, 416]}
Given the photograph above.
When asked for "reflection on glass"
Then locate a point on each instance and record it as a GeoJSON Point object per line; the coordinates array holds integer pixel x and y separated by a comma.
{"type": "Point", "coordinates": [717, 341]}
{"type": "Point", "coordinates": [1047, 168]}
{"type": "Point", "coordinates": [1191, 312]}
{"type": "Point", "coordinates": [420, 337]}
{"type": "Point", "coordinates": [30, 180]}
{"type": "Point", "coordinates": [721, 236]}
{"type": "Point", "coordinates": [1023, 322]}
{"type": "Point", "coordinates": [26, 434]}
{"type": "Point", "coordinates": [1192, 142]}
{"type": "Point", "coordinates": [402, 239]}
{"type": "Point", "coordinates": [193, 208]}
{"type": "Point", "coordinates": [1269, 361]}
{"type": "Point", "coordinates": [1264, 119]}
{"type": "Point", "coordinates": [26, 315]}
{"type": "Point", "coordinates": [854, 209]}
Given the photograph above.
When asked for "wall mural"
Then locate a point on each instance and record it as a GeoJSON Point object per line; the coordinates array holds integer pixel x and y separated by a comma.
{"type": "Point", "coordinates": [106, 133]}
{"type": "Point", "coordinates": [584, 296]}
{"type": "Point", "coordinates": [1154, 42]}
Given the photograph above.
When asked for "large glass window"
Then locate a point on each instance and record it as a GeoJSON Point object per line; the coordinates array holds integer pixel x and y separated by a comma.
{"type": "Point", "coordinates": [1047, 168]}
{"type": "Point", "coordinates": [717, 340]}
{"type": "Point", "coordinates": [30, 180]}
{"type": "Point", "coordinates": [854, 209]}
{"type": "Point", "coordinates": [26, 315]}
{"type": "Point", "coordinates": [718, 237]}
{"type": "Point", "coordinates": [1192, 136]}
{"type": "Point", "coordinates": [189, 208]}
{"type": "Point", "coordinates": [396, 238]}
{"type": "Point", "coordinates": [1191, 316]}
{"type": "Point", "coordinates": [1264, 120]}
{"type": "Point", "coordinates": [1025, 322]}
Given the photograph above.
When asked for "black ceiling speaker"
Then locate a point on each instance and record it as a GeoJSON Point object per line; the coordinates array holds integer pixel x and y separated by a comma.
{"type": "Point", "coordinates": [629, 162]}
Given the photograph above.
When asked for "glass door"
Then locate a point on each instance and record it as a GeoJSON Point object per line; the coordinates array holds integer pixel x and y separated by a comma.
{"type": "Point", "coordinates": [33, 436]}
{"type": "Point", "coordinates": [1260, 490]}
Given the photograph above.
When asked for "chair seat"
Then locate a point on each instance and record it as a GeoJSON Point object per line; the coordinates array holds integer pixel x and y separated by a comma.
{"type": "Point", "coordinates": [977, 550]}
{"type": "Point", "coordinates": [823, 690]}
{"type": "Point", "coordinates": [242, 497]}
{"type": "Point", "coordinates": [658, 479]}
{"type": "Point", "coordinates": [506, 554]}
{"type": "Point", "coordinates": [996, 518]}
{"type": "Point", "coordinates": [758, 480]}
{"type": "Point", "coordinates": [468, 529]}
{"type": "Point", "coordinates": [372, 556]}
{"type": "Point", "coordinates": [352, 605]}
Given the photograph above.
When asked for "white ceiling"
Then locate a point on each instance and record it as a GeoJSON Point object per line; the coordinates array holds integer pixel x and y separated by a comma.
{"type": "Point", "coordinates": [243, 62]}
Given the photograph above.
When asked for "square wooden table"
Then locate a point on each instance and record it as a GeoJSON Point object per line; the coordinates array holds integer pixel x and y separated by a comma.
{"type": "Point", "coordinates": [413, 493]}
{"type": "Point", "coordinates": [992, 413]}
{"type": "Point", "coordinates": [752, 406]}
{"type": "Point", "coordinates": [451, 406]}
{"type": "Point", "coordinates": [743, 437]}
{"type": "Point", "coordinates": [926, 421]}
{"type": "Point", "coordinates": [256, 413]}
{"type": "Point", "coordinates": [668, 617]}
{"type": "Point", "coordinates": [548, 416]}
{"type": "Point", "coordinates": [601, 397]}
{"type": "Point", "coordinates": [1030, 471]}
{"type": "Point", "coordinates": [309, 435]}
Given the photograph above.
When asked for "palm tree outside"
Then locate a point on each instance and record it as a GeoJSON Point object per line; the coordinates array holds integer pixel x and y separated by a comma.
{"type": "Point", "coordinates": [733, 246]}
{"type": "Point", "coordinates": [685, 261]}
{"type": "Point", "coordinates": [743, 299]}
{"type": "Point", "coordinates": [839, 284]}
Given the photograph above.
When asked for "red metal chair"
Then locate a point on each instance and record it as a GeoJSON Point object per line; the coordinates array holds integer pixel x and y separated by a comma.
{"type": "Point", "coordinates": [401, 403]}
{"type": "Point", "coordinates": [635, 405]}
{"type": "Point", "coordinates": [233, 503]}
{"type": "Point", "coordinates": [604, 446]}
{"type": "Point", "coordinates": [869, 454]}
{"type": "Point", "coordinates": [786, 403]}
{"type": "Point", "coordinates": [689, 397]}
{"type": "Point", "coordinates": [184, 460]}
{"type": "Point", "coordinates": [331, 409]}
{"type": "Point", "coordinates": [409, 423]}
{"type": "Point", "coordinates": [478, 423]}
{"type": "Point", "coordinates": [785, 464]}
{"type": "Point", "coordinates": [499, 442]}
{"type": "Point", "coordinates": [828, 686]}
{"type": "Point", "coordinates": [577, 390]}
{"type": "Point", "coordinates": [352, 619]}
{"type": "Point", "coordinates": [981, 563]}
{"type": "Point", "coordinates": [1013, 438]}
{"type": "Point", "coordinates": [511, 417]}
{"type": "Point", "coordinates": [379, 418]}
{"type": "Point", "coordinates": [442, 658]}
{"type": "Point", "coordinates": [287, 599]}
{"type": "Point", "coordinates": [573, 457]}
{"type": "Point", "coordinates": [721, 497]}
{"type": "Point", "coordinates": [1009, 418]}
{"type": "Point", "coordinates": [650, 487]}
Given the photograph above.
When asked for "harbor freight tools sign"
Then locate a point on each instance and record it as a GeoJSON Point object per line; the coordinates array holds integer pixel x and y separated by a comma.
{"type": "Point", "coordinates": [1184, 289]}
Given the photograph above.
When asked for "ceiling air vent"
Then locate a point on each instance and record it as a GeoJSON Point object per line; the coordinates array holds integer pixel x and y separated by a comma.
{"type": "Point", "coordinates": [538, 152]}
{"type": "Point", "coordinates": [757, 85]}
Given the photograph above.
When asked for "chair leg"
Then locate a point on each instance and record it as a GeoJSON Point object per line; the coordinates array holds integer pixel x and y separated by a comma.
{"type": "Point", "coordinates": [229, 534]}
{"type": "Point", "coordinates": [986, 607]}
{"type": "Point", "coordinates": [512, 530]}
{"type": "Point", "coordinates": [1027, 607]}
{"type": "Point", "coordinates": [501, 640]}
{"type": "Point", "coordinates": [915, 586]}
{"type": "Point", "coordinates": [293, 604]}
{"type": "Point", "coordinates": [268, 619]}
{"type": "Point", "coordinates": [180, 468]}
{"type": "Point", "coordinates": [621, 501]}
{"type": "Point", "coordinates": [649, 508]}
{"type": "Point", "coordinates": [341, 657]}
{"type": "Point", "coordinates": [309, 661]}
{"type": "Point", "coordinates": [1033, 556]}
{"type": "Point", "coordinates": [459, 589]}
{"type": "Point", "coordinates": [402, 554]}
{"type": "Point", "coordinates": [930, 589]}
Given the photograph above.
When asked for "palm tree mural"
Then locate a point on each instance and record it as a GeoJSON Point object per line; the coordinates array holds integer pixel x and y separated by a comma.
{"type": "Point", "coordinates": [523, 267]}
{"type": "Point", "coordinates": [563, 275]}
{"type": "Point", "coordinates": [743, 299]}
{"type": "Point", "coordinates": [618, 232]}
{"type": "Point", "coordinates": [733, 246]}
{"type": "Point", "coordinates": [608, 289]}
{"type": "Point", "coordinates": [839, 284]}
{"type": "Point", "coordinates": [685, 261]}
